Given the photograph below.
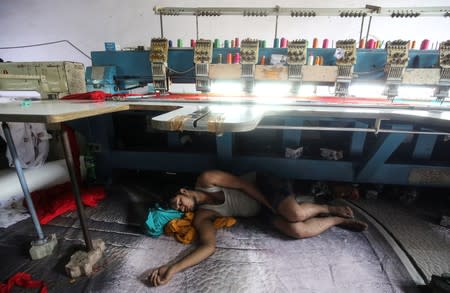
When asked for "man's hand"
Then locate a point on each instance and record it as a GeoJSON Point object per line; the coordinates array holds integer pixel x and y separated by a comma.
{"type": "Point", "coordinates": [161, 276]}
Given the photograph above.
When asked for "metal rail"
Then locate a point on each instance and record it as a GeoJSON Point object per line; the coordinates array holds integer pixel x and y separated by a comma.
{"type": "Point", "coordinates": [395, 12]}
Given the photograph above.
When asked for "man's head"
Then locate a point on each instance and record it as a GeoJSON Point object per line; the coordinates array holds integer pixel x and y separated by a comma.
{"type": "Point", "coordinates": [184, 200]}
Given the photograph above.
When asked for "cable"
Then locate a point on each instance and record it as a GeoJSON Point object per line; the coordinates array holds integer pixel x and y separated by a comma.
{"type": "Point", "coordinates": [48, 43]}
{"type": "Point", "coordinates": [181, 72]}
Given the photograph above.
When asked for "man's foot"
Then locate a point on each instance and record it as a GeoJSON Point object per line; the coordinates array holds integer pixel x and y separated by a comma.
{"type": "Point", "coordinates": [341, 211]}
{"type": "Point", "coordinates": [353, 225]}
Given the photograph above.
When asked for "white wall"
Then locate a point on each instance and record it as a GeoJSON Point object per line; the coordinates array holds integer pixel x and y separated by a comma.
{"type": "Point", "coordinates": [89, 23]}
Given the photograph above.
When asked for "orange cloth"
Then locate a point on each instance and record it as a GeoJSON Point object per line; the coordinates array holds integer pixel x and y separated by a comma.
{"type": "Point", "coordinates": [184, 232]}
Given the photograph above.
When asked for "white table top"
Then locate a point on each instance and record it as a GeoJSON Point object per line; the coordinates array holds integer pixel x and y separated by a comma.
{"type": "Point", "coordinates": [231, 117]}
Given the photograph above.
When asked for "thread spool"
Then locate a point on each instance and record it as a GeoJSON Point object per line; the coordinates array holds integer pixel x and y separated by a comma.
{"type": "Point", "coordinates": [216, 43]}
{"type": "Point", "coordinates": [370, 44]}
{"type": "Point", "coordinates": [362, 44]}
{"type": "Point", "coordinates": [263, 44]}
{"type": "Point", "coordinates": [263, 60]}
{"type": "Point", "coordinates": [311, 59]}
{"type": "Point", "coordinates": [425, 44]}
{"type": "Point", "coordinates": [170, 43]}
{"type": "Point", "coordinates": [321, 60]}
{"type": "Point", "coordinates": [219, 58]}
{"type": "Point", "coordinates": [325, 43]}
{"type": "Point", "coordinates": [226, 44]}
{"type": "Point", "coordinates": [229, 58]}
{"type": "Point", "coordinates": [317, 60]}
{"type": "Point", "coordinates": [236, 58]}
{"type": "Point", "coordinates": [315, 43]}
{"type": "Point", "coordinates": [232, 43]}
{"type": "Point", "coordinates": [413, 45]}
{"type": "Point", "coordinates": [236, 42]}
{"type": "Point", "coordinates": [179, 43]}
{"type": "Point", "coordinates": [276, 43]}
{"type": "Point", "coordinates": [193, 42]}
{"type": "Point", "coordinates": [283, 43]}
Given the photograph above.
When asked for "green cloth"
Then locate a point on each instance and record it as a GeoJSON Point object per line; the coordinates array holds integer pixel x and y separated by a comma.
{"type": "Point", "coordinates": [157, 218]}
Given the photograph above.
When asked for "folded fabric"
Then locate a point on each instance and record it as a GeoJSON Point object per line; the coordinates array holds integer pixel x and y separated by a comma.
{"type": "Point", "coordinates": [99, 96]}
{"type": "Point", "coordinates": [57, 200]}
{"type": "Point", "coordinates": [157, 218]}
{"type": "Point", "coordinates": [22, 279]}
{"type": "Point", "coordinates": [184, 232]}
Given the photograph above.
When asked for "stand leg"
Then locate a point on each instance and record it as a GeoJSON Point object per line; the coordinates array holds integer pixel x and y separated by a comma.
{"type": "Point", "coordinates": [23, 183]}
{"type": "Point", "coordinates": [76, 190]}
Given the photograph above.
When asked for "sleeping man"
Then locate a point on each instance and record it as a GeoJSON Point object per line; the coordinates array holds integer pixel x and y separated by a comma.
{"type": "Point", "coordinates": [219, 194]}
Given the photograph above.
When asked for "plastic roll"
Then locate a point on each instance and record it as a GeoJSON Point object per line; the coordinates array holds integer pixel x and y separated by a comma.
{"type": "Point", "coordinates": [283, 43]}
{"type": "Point", "coordinates": [229, 58]}
{"type": "Point", "coordinates": [362, 44]}
{"type": "Point", "coordinates": [276, 43]}
{"type": "Point", "coordinates": [180, 43]}
{"type": "Point", "coordinates": [50, 174]}
{"type": "Point", "coordinates": [315, 43]}
{"type": "Point", "coordinates": [425, 44]}
{"type": "Point", "coordinates": [325, 43]}
{"type": "Point", "coordinates": [236, 42]}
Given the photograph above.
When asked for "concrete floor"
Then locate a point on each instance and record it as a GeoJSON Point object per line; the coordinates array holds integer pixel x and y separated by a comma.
{"type": "Point", "coordinates": [249, 258]}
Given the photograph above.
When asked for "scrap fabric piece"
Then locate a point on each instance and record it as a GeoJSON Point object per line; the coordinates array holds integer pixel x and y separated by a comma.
{"type": "Point", "coordinates": [31, 141]}
{"type": "Point", "coordinates": [57, 200]}
{"type": "Point", "coordinates": [22, 279]}
{"type": "Point", "coordinates": [157, 218]}
{"type": "Point", "coordinates": [184, 232]}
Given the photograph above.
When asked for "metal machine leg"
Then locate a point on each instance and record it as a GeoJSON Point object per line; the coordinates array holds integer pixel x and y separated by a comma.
{"type": "Point", "coordinates": [76, 189]}
{"type": "Point", "coordinates": [12, 149]}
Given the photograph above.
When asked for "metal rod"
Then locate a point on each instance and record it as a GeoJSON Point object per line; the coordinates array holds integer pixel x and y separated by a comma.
{"type": "Point", "coordinates": [362, 27]}
{"type": "Point", "coordinates": [368, 28]}
{"type": "Point", "coordinates": [23, 182]}
{"type": "Point", "coordinates": [75, 188]}
{"type": "Point", "coordinates": [196, 26]}
{"type": "Point", "coordinates": [284, 127]}
{"type": "Point", "coordinates": [161, 25]}
{"type": "Point", "coordinates": [276, 26]}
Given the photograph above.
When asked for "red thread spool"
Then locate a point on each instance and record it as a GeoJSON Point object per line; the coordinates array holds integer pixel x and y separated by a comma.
{"type": "Point", "coordinates": [362, 44]}
{"type": "Point", "coordinates": [315, 43]}
{"type": "Point", "coordinates": [425, 44]}
{"type": "Point", "coordinates": [193, 43]}
{"type": "Point", "coordinates": [283, 43]}
{"type": "Point", "coordinates": [325, 43]}
{"type": "Point", "coordinates": [236, 42]}
{"type": "Point", "coordinates": [236, 58]}
{"type": "Point", "coordinates": [229, 58]}
{"type": "Point", "coordinates": [370, 44]}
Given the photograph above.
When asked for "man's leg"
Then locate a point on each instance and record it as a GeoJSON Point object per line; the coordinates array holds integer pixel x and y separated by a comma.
{"type": "Point", "coordinates": [315, 226]}
{"type": "Point", "coordinates": [291, 211]}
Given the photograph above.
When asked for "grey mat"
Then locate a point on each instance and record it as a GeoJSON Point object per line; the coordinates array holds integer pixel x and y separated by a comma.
{"type": "Point", "coordinates": [426, 242]}
{"type": "Point", "coordinates": [249, 257]}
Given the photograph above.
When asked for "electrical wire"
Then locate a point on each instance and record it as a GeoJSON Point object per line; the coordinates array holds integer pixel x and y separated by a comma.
{"type": "Point", "coordinates": [181, 72]}
{"type": "Point", "coordinates": [45, 44]}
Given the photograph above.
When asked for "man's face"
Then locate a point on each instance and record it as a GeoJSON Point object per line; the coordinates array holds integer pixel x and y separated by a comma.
{"type": "Point", "coordinates": [183, 202]}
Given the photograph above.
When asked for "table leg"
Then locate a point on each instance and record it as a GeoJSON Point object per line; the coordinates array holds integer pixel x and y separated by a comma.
{"type": "Point", "coordinates": [12, 149]}
{"type": "Point", "coordinates": [76, 189]}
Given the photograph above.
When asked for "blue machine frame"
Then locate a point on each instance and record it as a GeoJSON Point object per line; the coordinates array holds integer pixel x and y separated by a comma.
{"type": "Point", "coordinates": [383, 158]}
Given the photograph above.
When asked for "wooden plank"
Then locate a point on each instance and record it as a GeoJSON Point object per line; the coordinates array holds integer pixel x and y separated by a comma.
{"type": "Point", "coordinates": [225, 71]}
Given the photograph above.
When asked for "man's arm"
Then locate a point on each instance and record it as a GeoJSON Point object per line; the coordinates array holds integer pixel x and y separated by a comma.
{"type": "Point", "coordinates": [227, 180]}
{"type": "Point", "coordinates": [203, 223]}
